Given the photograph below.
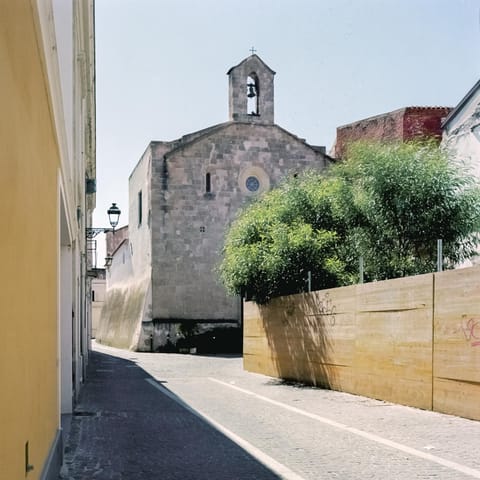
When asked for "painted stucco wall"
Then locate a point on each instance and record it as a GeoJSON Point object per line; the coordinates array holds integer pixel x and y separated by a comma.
{"type": "Point", "coordinates": [98, 299]}
{"type": "Point", "coordinates": [128, 297]}
{"type": "Point", "coordinates": [461, 137]}
{"type": "Point", "coordinates": [125, 302]}
{"type": "Point", "coordinates": [63, 13]}
{"type": "Point", "coordinates": [41, 185]}
{"type": "Point", "coordinates": [139, 229]}
{"type": "Point", "coordinates": [29, 403]}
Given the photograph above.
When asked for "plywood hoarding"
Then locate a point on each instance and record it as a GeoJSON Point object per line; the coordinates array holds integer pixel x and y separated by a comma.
{"type": "Point", "coordinates": [456, 362]}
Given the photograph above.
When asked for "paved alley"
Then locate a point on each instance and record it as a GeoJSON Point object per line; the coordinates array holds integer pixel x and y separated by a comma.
{"type": "Point", "coordinates": [170, 416]}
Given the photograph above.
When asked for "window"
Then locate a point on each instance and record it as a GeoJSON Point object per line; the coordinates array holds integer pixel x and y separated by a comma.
{"type": "Point", "coordinates": [252, 183]}
{"type": "Point", "coordinates": [139, 208]}
{"type": "Point", "coordinates": [93, 295]}
{"type": "Point", "coordinates": [253, 180]}
{"type": "Point", "coordinates": [208, 183]}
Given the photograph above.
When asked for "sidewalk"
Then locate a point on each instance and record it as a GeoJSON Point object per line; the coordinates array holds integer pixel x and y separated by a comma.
{"type": "Point", "coordinates": [125, 428]}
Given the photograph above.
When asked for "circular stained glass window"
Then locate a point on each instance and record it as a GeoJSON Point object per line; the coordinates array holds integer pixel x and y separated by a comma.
{"type": "Point", "coordinates": [252, 184]}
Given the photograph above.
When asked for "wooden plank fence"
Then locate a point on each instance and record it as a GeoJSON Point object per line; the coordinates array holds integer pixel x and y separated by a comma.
{"type": "Point", "coordinates": [413, 341]}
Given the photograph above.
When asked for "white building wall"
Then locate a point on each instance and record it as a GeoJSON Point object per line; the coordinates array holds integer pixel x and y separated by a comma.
{"type": "Point", "coordinates": [139, 233]}
{"type": "Point", "coordinates": [121, 270]}
{"type": "Point", "coordinates": [62, 16]}
{"type": "Point", "coordinates": [127, 302]}
{"type": "Point", "coordinates": [98, 299]}
{"type": "Point", "coordinates": [461, 136]}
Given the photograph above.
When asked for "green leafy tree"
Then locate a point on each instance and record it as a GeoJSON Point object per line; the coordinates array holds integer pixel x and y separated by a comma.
{"type": "Point", "coordinates": [277, 240]}
{"type": "Point", "coordinates": [403, 197]}
{"type": "Point", "coordinates": [386, 203]}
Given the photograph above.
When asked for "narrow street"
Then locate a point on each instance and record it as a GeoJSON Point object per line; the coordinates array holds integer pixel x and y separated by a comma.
{"type": "Point", "coordinates": [169, 416]}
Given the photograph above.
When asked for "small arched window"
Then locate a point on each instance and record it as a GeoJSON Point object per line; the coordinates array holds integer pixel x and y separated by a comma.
{"type": "Point", "coordinates": [252, 94]}
{"type": "Point", "coordinates": [208, 183]}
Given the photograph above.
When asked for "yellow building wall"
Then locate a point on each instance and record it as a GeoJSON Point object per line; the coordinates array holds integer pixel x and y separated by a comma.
{"type": "Point", "coordinates": [29, 410]}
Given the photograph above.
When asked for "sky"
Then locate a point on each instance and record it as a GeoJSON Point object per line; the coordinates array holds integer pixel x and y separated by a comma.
{"type": "Point", "coordinates": [161, 68]}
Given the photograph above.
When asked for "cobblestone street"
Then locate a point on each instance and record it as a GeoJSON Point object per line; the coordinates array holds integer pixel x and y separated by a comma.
{"type": "Point", "coordinates": [169, 416]}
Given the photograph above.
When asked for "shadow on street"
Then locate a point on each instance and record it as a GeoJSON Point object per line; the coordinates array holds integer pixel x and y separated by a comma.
{"type": "Point", "coordinates": [125, 428]}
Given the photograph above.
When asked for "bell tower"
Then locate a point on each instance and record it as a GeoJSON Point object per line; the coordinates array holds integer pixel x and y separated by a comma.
{"type": "Point", "coordinates": [250, 95]}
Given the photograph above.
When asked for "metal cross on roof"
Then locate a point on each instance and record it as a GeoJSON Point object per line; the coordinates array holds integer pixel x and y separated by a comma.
{"type": "Point", "coordinates": [253, 50]}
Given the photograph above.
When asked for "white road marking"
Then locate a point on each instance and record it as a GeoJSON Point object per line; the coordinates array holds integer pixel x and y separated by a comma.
{"type": "Point", "coordinates": [370, 436]}
{"type": "Point", "coordinates": [281, 470]}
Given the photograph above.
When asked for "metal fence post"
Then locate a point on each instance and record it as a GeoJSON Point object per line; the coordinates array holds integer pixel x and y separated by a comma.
{"type": "Point", "coordinates": [439, 255]}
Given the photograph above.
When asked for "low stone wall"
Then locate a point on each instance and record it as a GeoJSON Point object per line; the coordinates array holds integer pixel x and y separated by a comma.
{"type": "Point", "coordinates": [413, 341]}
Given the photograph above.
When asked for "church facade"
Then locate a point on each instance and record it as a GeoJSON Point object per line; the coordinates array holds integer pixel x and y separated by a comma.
{"type": "Point", "coordinates": [184, 194]}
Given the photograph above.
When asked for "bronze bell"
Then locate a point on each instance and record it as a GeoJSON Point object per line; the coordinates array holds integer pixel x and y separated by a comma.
{"type": "Point", "coordinates": [251, 90]}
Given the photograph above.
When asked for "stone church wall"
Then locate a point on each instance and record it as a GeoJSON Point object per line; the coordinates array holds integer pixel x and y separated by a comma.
{"type": "Point", "coordinates": [189, 223]}
{"type": "Point", "coordinates": [183, 195]}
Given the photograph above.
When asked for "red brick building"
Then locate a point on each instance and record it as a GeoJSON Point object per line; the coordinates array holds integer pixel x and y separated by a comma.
{"type": "Point", "coordinates": [400, 125]}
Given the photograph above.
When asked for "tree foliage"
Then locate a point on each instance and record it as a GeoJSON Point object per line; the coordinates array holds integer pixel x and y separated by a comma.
{"type": "Point", "coordinates": [404, 197]}
{"type": "Point", "coordinates": [386, 203]}
{"type": "Point", "coordinates": [276, 241]}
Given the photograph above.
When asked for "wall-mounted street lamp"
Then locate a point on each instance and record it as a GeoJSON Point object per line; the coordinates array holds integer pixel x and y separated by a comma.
{"type": "Point", "coordinates": [91, 232]}
{"type": "Point", "coordinates": [113, 217]}
{"type": "Point", "coordinates": [108, 261]}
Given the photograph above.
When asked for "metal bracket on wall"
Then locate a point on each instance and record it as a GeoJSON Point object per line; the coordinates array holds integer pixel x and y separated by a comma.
{"type": "Point", "coordinates": [93, 232]}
